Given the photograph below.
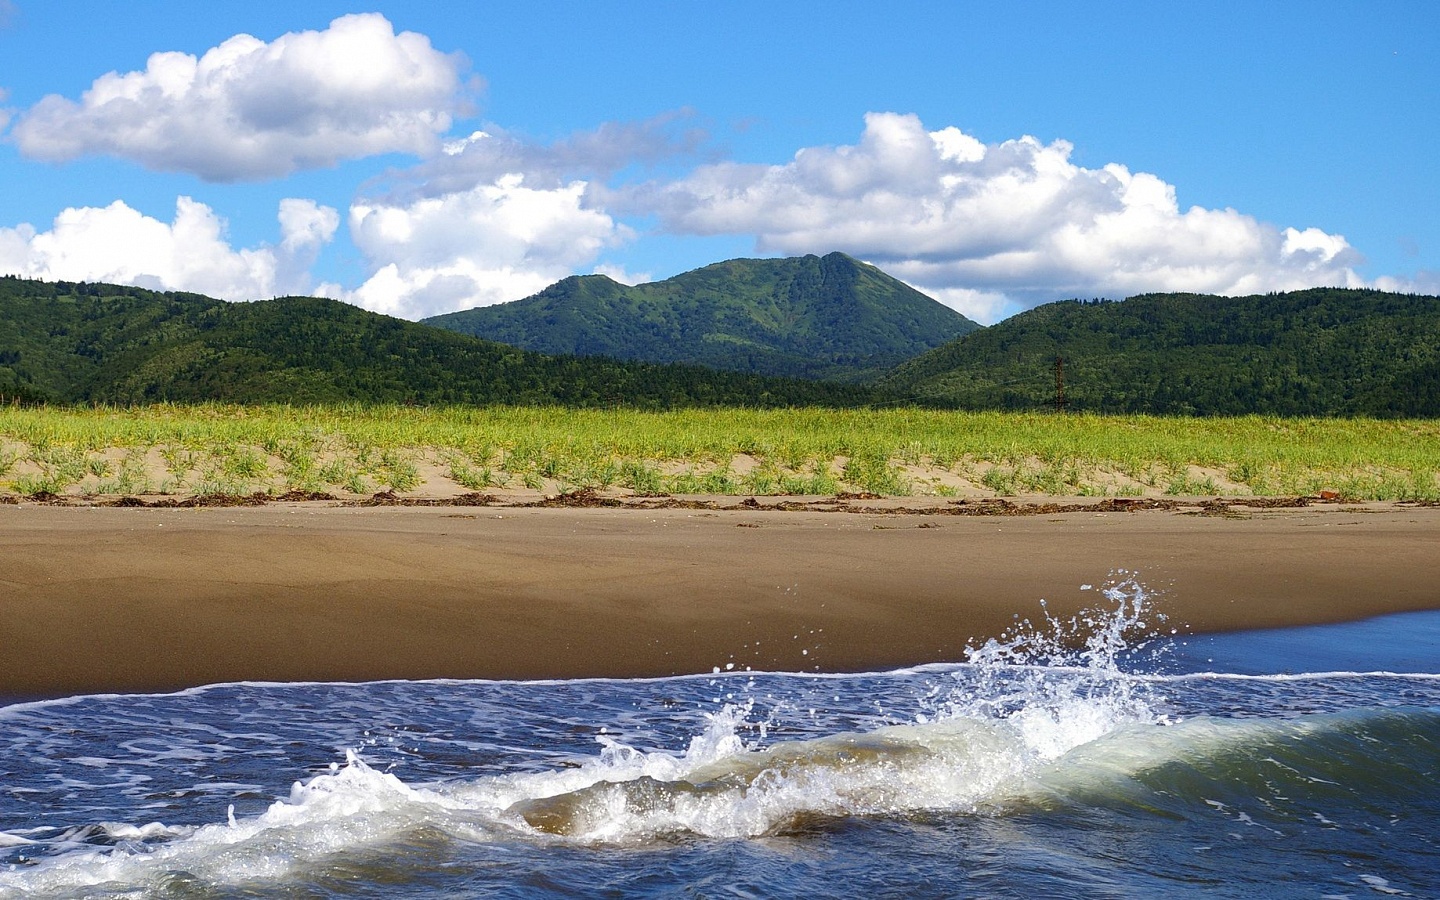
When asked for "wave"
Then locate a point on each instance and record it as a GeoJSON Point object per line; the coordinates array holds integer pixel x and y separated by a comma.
{"type": "Point", "coordinates": [964, 766]}
{"type": "Point", "coordinates": [990, 768]}
{"type": "Point", "coordinates": [1038, 725]}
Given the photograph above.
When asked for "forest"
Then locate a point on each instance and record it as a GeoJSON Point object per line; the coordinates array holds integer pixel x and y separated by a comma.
{"type": "Point", "coordinates": [91, 343]}
{"type": "Point", "coordinates": [1318, 352]}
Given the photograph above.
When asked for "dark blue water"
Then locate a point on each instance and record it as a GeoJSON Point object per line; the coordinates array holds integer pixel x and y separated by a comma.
{"type": "Point", "coordinates": [1272, 764]}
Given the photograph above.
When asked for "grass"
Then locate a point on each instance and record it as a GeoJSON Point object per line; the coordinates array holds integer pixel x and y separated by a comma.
{"type": "Point", "coordinates": [730, 451]}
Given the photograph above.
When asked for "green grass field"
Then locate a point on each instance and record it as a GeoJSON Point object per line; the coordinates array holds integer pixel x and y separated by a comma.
{"type": "Point", "coordinates": [357, 449]}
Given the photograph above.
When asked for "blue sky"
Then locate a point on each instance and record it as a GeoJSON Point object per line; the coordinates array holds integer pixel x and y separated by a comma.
{"type": "Point", "coordinates": [419, 158]}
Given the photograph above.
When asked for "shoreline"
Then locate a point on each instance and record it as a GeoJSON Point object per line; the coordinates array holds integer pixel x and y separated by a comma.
{"type": "Point", "coordinates": [112, 599]}
{"type": "Point", "coordinates": [590, 498]}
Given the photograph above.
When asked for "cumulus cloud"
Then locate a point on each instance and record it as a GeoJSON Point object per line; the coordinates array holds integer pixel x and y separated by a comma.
{"type": "Point", "coordinates": [249, 110]}
{"type": "Point", "coordinates": [1425, 281]}
{"type": "Point", "coordinates": [991, 228]}
{"type": "Point", "coordinates": [120, 245]}
{"type": "Point", "coordinates": [622, 275]}
{"type": "Point", "coordinates": [492, 242]}
{"type": "Point", "coordinates": [596, 153]}
{"type": "Point", "coordinates": [495, 216]}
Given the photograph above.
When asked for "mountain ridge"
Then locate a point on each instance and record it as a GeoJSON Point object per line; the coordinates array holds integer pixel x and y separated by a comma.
{"type": "Point", "coordinates": [829, 317]}
{"type": "Point", "coordinates": [1318, 352]}
{"type": "Point", "coordinates": [1321, 351]}
{"type": "Point", "coordinates": [62, 342]}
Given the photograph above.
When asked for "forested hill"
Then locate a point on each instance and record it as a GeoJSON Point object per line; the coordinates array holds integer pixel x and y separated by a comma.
{"type": "Point", "coordinates": [65, 343]}
{"type": "Point", "coordinates": [810, 316]}
{"type": "Point", "coordinates": [1314, 352]}
{"type": "Point", "coordinates": [1325, 351]}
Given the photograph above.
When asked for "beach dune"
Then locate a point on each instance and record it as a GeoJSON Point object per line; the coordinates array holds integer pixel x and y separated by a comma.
{"type": "Point", "coordinates": [111, 599]}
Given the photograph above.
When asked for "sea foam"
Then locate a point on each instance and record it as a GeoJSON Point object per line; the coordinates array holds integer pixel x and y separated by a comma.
{"type": "Point", "coordinates": [1044, 717]}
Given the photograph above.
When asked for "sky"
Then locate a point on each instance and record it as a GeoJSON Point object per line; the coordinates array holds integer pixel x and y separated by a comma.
{"type": "Point", "coordinates": [416, 159]}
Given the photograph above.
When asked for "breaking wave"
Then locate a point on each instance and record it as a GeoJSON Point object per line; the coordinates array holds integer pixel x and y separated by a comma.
{"type": "Point", "coordinates": [1041, 721]}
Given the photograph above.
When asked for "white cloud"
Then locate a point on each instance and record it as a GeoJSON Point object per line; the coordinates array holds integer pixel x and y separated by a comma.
{"type": "Point", "coordinates": [991, 228]}
{"type": "Point", "coordinates": [980, 306]}
{"type": "Point", "coordinates": [251, 110]}
{"type": "Point", "coordinates": [305, 228]}
{"type": "Point", "coordinates": [119, 245]}
{"type": "Point", "coordinates": [495, 217]}
{"type": "Point", "coordinates": [1425, 281]}
{"type": "Point", "coordinates": [622, 275]}
{"type": "Point", "coordinates": [485, 156]}
{"type": "Point", "coordinates": [306, 224]}
{"type": "Point", "coordinates": [490, 243]}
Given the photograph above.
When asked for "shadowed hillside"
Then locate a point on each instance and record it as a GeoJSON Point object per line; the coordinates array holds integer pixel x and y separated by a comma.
{"type": "Point", "coordinates": [63, 343]}
{"type": "Point", "coordinates": [810, 316]}
{"type": "Point", "coordinates": [1324, 351]}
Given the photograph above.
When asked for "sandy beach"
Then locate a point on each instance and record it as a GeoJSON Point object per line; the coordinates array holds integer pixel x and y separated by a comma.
{"type": "Point", "coordinates": [116, 599]}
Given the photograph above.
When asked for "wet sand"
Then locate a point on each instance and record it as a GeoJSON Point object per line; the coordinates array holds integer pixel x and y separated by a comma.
{"type": "Point", "coordinates": [111, 599]}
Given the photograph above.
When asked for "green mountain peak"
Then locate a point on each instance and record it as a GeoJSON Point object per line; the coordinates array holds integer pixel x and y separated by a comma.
{"type": "Point", "coordinates": [810, 316]}
{"type": "Point", "coordinates": [66, 343]}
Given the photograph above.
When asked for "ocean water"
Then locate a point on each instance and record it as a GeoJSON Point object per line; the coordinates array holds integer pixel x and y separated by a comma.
{"type": "Point", "coordinates": [1106, 757]}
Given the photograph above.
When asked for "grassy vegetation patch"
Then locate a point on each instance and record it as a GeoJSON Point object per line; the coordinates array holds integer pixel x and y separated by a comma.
{"type": "Point", "coordinates": [240, 450]}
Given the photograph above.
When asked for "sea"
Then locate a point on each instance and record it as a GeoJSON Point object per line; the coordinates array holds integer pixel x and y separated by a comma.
{"type": "Point", "coordinates": [1107, 755]}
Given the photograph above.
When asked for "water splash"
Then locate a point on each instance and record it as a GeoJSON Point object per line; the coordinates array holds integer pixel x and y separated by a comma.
{"type": "Point", "coordinates": [1042, 749]}
{"type": "Point", "coordinates": [1019, 704]}
{"type": "Point", "coordinates": [1062, 684]}
{"type": "Point", "coordinates": [1095, 639]}
{"type": "Point", "coordinates": [1022, 701]}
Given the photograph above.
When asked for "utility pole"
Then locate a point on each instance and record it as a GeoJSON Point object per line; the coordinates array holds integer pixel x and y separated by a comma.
{"type": "Point", "coordinates": [1060, 400]}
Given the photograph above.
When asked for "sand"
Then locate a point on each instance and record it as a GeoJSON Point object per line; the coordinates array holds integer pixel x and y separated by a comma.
{"type": "Point", "coordinates": [113, 599]}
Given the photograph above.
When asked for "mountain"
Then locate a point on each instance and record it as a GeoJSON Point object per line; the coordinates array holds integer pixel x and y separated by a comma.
{"type": "Point", "coordinates": [1325, 351]}
{"type": "Point", "coordinates": [65, 343]}
{"type": "Point", "coordinates": [810, 316]}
